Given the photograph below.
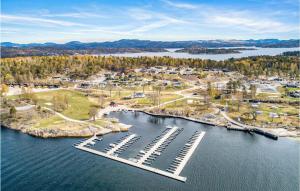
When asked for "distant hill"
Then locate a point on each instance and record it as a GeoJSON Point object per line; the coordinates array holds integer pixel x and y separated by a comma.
{"type": "Point", "coordinates": [9, 49]}
{"type": "Point", "coordinates": [134, 43]}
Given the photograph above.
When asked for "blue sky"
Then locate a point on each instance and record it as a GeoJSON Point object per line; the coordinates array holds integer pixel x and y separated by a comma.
{"type": "Point", "coordinates": [25, 21]}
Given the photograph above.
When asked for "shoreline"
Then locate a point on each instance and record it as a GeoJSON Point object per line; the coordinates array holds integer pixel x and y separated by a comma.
{"type": "Point", "coordinates": [269, 133]}
{"type": "Point", "coordinates": [50, 133]}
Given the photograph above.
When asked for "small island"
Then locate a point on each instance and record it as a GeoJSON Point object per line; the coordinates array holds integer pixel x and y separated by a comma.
{"type": "Point", "coordinates": [200, 50]}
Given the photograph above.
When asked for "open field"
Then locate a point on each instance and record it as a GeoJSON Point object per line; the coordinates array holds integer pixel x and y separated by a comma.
{"type": "Point", "coordinates": [78, 103]}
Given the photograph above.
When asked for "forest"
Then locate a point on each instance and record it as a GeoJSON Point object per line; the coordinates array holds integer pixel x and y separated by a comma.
{"type": "Point", "coordinates": [27, 69]}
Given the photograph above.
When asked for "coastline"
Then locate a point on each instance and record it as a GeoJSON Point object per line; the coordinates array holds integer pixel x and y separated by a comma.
{"type": "Point", "coordinates": [270, 133]}
{"type": "Point", "coordinates": [120, 127]}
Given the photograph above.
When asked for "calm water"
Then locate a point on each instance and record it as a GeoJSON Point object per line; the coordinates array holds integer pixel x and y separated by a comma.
{"type": "Point", "coordinates": [224, 160]}
{"type": "Point", "coordinates": [244, 53]}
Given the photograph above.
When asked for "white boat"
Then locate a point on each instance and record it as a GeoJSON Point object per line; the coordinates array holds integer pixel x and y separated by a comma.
{"type": "Point", "coordinates": [112, 145]}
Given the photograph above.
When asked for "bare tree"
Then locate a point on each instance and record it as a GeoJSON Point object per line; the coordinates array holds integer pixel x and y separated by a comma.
{"type": "Point", "coordinates": [101, 100]}
{"type": "Point", "coordinates": [93, 113]}
{"type": "Point", "coordinates": [253, 89]}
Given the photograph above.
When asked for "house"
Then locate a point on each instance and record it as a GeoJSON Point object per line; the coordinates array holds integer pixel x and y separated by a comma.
{"type": "Point", "coordinates": [138, 95]}
{"type": "Point", "coordinates": [113, 104]}
{"type": "Point", "coordinates": [57, 77]}
{"type": "Point", "coordinates": [295, 94]}
{"type": "Point", "coordinates": [166, 83]}
{"type": "Point", "coordinates": [292, 85]}
{"type": "Point", "coordinates": [176, 84]}
{"type": "Point", "coordinates": [85, 85]}
{"type": "Point", "coordinates": [273, 115]}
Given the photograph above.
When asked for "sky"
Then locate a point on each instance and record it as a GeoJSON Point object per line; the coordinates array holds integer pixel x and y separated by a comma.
{"type": "Point", "coordinates": [60, 21]}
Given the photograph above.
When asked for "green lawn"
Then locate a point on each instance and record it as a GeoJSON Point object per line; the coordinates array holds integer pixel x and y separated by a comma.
{"type": "Point", "coordinates": [79, 104]}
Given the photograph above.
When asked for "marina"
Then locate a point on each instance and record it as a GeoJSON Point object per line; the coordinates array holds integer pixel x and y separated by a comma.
{"type": "Point", "coordinates": [145, 157]}
{"type": "Point", "coordinates": [93, 171]}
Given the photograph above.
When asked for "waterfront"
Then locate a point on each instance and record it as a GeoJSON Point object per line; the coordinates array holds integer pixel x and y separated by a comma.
{"type": "Point", "coordinates": [244, 53]}
{"type": "Point", "coordinates": [224, 160]}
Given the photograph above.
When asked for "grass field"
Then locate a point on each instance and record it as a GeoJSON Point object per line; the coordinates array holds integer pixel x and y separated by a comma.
{"type": "Point", "coordinates": [79, 104]}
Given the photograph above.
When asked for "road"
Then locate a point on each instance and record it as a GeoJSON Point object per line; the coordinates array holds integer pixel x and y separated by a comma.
{"type": "Point", "coordinates": [235, 122]}
{"type": "Point", "coordinates": [72, 120]}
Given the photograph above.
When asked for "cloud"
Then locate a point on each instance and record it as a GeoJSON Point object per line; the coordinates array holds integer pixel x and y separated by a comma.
{"type": "Point", "coordinates": [140, 14]}
{"type": "Point", "coordinates": [76, 15]}
{"type": "Point", "coordinates": [34, 20]}
{"type": "Point", "coordinates": [248, 21]}
{"type": "Point", "coordinates": [175, 19]}
{"type": "Point", "coordinates": [180, 5]}
{"type": "Point", "coordinates": [9, 30]}
{"type": "Point", "coordinates": [150, 26]}
{"type": "Point", "coordinates": [152, 20]}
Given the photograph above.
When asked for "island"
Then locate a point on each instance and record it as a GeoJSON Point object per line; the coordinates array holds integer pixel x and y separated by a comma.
{"type": "Point", "coordinates": [200, 50]}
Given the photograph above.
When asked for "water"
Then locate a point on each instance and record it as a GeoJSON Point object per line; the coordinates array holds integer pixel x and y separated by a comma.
{"type": "Point", "coordinates": [244, 53]}
{"type": "Point", "coordinates": [224, 160]}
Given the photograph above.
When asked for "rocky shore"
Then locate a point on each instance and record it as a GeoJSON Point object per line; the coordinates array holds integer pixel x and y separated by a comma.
{"type": "Point", "coordinates": [27, 124]}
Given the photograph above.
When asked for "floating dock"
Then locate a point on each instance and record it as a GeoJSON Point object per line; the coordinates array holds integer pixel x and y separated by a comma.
{"type": "Point", "coordinates": [189, 154]}
{"type": "Point", "coordinates": [118, 146]}
{"type": "Point", "coordinates": [156, 145]}
{"type": "Point", "coordinates": [131, 163]}
{"type": "Point", "coordinates": [143, 162]}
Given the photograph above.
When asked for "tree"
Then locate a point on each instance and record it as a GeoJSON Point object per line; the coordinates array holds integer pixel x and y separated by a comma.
{"type": "Point", "coordinates": [34, 99]}
{"type": "Point", "coordinates": [209, 89]}
{"type": "Point", "coordinates": [12, 112]}
{"type": "Point", "coordinates": [101, 100]}
{"type": "Point", "coordinates": [253, 90]}
{"type": "Point", "coordinates": [206, 100]}
{"type": "Point", "coordinates": [239, 100]}
{"type": "Point", "coordinates": [4, 89]}
{"type": "Point", "coordinates": [244, 92]}
{"type": "Point", "coordinates": [66, 101]}
{"type": "Point", "coordinates": [59, 103]}
{"type": "Point", "coordinates": [93, 112]}
{"type": "Point", "coordinates": [187, 111]}
{"type": "Point", "coordinates": [143, 85]}
{"type": "Point", "coordinates": [158, 93]}
{"type": "Point", "coordinates": [286, 91]}
{"type": "Point", "coordinates": [110, 87]}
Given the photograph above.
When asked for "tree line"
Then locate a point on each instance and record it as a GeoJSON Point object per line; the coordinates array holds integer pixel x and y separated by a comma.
{"type": "Point", "coordinates": [27, 69]}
